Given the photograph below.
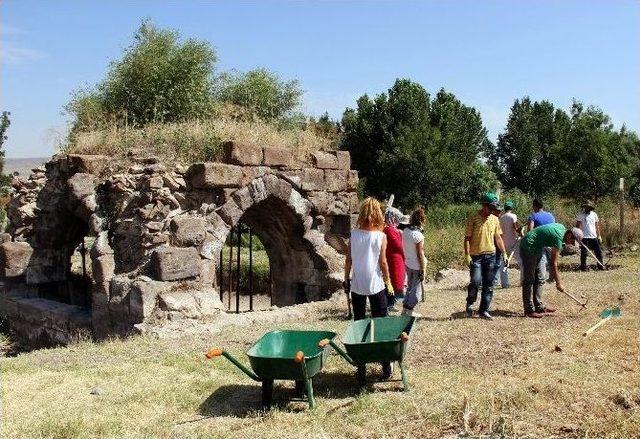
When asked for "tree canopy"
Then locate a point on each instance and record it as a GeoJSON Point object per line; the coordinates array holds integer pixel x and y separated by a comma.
{"type": "Point", "coordinates": [420, 149]}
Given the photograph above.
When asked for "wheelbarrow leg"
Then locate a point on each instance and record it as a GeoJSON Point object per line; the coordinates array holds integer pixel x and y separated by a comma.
{"type": "Point", "coordinates": [267, 393]}
{"type": "Point", "coordinates": [308, 385]}
{"type": "Point", "coordinates": [405, 381]}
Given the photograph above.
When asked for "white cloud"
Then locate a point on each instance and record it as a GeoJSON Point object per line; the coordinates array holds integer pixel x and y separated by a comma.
{"type": "Point", "coordinates": [14, 54]}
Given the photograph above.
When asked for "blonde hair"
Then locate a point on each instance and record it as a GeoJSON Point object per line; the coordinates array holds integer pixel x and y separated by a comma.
{"type": "Point", "coordinates": [370, 214]}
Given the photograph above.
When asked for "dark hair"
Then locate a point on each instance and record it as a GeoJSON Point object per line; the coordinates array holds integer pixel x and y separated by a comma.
{"type": "Point", "coordinates": [537, 203]}
{"type": "Point", "coordinates": [417, 217]}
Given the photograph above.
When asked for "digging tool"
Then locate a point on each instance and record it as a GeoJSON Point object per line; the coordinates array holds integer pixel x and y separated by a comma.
{"type": "Point", "coordinates": [504, 269]}
{"type": "Point", "coordinates": [347, 290]}
{"type": "Point", "coordinates": [606, 315]}
{"type": "Point", "coordinates": [593, 255]}
{"type": "Point", "coordinates": [575, 299]}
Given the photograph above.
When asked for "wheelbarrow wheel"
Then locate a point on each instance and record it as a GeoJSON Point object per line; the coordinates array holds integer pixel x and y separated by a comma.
{"type": "Point", "coordinates": [267, 393]}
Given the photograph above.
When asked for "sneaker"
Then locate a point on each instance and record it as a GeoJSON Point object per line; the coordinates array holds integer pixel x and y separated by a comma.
{"type": "Point", "coordinates": [546, 310]}
{"type": "Point", "coordinates": [534, 315]}
{"type": "Point", "coordinates": [469, 311]}
{"type": "Point", "coordinates": [387, 371]}
{"type": "Point", "coordinates": [485, 315]}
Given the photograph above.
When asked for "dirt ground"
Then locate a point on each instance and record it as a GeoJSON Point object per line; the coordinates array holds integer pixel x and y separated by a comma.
{"type": "Point", "coordinates": [510, 377]}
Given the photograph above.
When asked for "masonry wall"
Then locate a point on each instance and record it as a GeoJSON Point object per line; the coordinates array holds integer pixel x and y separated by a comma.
{"type": "Point", "coordinates": [158, 231]}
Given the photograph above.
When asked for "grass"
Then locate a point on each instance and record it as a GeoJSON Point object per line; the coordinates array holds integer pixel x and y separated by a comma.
{"type": "Point", "coordinates": [194, 141]}
{"type": "Point", "coordinates": [470, 376]}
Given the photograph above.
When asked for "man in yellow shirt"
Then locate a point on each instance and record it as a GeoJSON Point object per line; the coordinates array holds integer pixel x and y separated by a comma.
{"type": "Point", "coordinates": [482, 236]}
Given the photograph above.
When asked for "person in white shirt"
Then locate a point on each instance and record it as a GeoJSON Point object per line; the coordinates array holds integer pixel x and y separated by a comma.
{"type": "Point", "coordinates": [511, 233]}
{"type": "Point", "coordinates": [366, 272]}
{"type": "Point", "coordinates": [415, 262]}
{"type": "Point", "coordinates": [589, 223]}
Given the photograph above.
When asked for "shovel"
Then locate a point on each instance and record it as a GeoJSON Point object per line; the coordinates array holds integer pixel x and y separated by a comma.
{"type": "Point", "coordinates": [575, 299]}
{"type": "Point", "coordinates": [593, 255]}
{"type": "Point", "coordinates": [606, 315]}
{"type": "Point", "coordinates": [504, 269]}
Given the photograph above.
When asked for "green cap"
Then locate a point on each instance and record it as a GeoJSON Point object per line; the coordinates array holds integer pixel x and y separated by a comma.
{"type": "Point", "coordinates": [489, 198]}
{"type": "Point", "coordinates": [509, 204]}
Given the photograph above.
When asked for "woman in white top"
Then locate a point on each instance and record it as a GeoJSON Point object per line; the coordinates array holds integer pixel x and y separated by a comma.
{"type": "Point", "coordinates": [366, 269]}
{"type": "Point", "coordinates": [589, 223]}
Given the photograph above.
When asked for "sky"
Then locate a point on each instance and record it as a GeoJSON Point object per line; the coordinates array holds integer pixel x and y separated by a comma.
{"type": "Point", "coordinates": [487, 53]}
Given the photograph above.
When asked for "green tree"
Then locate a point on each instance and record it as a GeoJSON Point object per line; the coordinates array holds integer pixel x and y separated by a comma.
{"type": "Point", "coordinates": [261, 93]}
{"type": "Point", "coordinates": [418, 149]}
{"type": "Point", "coordinates": [4, 125]}
{"type": "Point", "coordinates": [158, 79]}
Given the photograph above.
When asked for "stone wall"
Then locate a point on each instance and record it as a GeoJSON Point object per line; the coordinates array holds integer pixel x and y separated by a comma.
{"type": "Point", "coordinates": [158, 232]}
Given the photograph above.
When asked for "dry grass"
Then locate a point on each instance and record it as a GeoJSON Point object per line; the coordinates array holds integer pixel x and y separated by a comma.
{"type": "Point", "coordinates": [190, 142]}
{"type": "Point", "coordinates": [484, 378]}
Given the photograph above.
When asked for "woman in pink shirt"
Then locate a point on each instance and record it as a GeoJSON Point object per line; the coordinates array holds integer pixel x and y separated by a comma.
{"type": "Point", "coordinates": [395, 254]}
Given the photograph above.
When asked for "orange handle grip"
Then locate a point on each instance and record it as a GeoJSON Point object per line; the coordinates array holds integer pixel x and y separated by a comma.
{"type": "Point", "coordinates": [404, 337]}
{"type": "Point", "coordinates": [299, 357]}
{"type": "Point", "coordinates": [213, 352]}
{"type": "Point", "coordinates": [324, 342]}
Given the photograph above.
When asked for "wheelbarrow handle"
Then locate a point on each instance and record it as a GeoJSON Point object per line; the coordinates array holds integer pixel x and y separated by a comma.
{"type": "Point", "coordinates": [216, 352]}
{"type": "Point", "coordinates": [325, 341]}
{"type": "Point", "coordinates": [404, 337]}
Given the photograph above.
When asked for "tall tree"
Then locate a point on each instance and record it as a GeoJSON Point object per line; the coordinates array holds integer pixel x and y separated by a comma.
{"type": "Point", "coordinates": [4, 125]}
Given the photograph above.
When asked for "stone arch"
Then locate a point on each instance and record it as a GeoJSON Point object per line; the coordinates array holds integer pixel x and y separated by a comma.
{"type": "Point", "coordinates": [304, 267]}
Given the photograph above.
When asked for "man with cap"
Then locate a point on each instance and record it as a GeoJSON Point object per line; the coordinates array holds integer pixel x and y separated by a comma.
{"type": "Point", "coordinates": [532, 247]}
{"type": "Point", "coordinates": [482, 237]}
{"type": "Point", "coordinates": [510, 235]}
{"type": "Point", "coordinates": [589, 223]}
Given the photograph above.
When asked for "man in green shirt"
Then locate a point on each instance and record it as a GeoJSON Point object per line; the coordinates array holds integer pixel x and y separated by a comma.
{"type": "Point", "coordinates": [532, 247]}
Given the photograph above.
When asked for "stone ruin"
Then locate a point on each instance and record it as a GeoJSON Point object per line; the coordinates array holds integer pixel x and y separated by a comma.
{"type": "Point", "coordinates": [158, 232]}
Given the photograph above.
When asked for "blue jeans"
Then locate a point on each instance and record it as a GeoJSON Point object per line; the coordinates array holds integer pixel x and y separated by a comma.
{"type": "Point", "coordinates": [481, 274]}
{"type": "Point", "coordinates": [498, 266]}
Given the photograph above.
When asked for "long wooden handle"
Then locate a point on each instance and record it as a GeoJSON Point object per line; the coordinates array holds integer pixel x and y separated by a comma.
{"type": "Point", "coordinates": [596, 326]}
{"type": "Point", "coordinates": [591, 253]}
{"type": "Point", "coordinates": [584, 305]}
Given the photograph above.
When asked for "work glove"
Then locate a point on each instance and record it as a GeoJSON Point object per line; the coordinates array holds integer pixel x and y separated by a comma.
{"type": "Point", "coordinates": [390, 291]}
{"type": "Point", "coordinates": [600, 239]}
{"type": "Point", "coordinates": [468, 259]}
{"type": "Point", "coordinates": [505, 259]}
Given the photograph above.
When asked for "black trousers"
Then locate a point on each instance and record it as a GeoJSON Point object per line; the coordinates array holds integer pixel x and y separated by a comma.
{"type": "Point", "coordinates": [377, 301]}
{"type": "Point", "coordinates": [594, 246]}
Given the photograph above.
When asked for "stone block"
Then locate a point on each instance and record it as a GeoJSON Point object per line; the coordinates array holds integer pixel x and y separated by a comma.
{"type": "Point", "coordinates": [81, 185]}
{"type": "Point", "coordinates": [312, 179]}
{"type": "Point", "coordinates": [352, 180]}
{"type": "Point", "coordinates": [217, 226]}
{"type": "Point", "coordinates": [155, 182]}
{"type": "Point", "coordinates": [179, 304]}
{"type": "Point", "coordinates": [277, 187]}
{"type": "Point", "coordinates": [171, 263]}
{"type": "Point", "coordinates": [344, 160]}
{"type": "Point", "coordinates": [143, 298]}
{"type": "Point", "coordinates": [243, 197]}
{"type": "Point", "coordinates": [103, 268]}
{"type": "Point", "coordinates": [320, 201]}
{"type": "Point", "coordinates": [336, 180]}
{"type": "Point", "coordinates": [324, 160]}
{"type": "Point", "coordinates": [242, 154]}
{"type": "Point", "coordinates": [230, 212]}
{"type": "Point", "coordinates": [188, 230]}
{"type": "Point", "coordinates": [277, 157]}
{"type": "Point", "coordinates": [119, 288]}
{"type": "Point", "coordinates": [15, 258]}
{"type": "Point", "coordinates": [212, 175]}
{"type": "Point", "coordinates": [89, 164]}
{"type": "Point", "coordinates": [208, 272]}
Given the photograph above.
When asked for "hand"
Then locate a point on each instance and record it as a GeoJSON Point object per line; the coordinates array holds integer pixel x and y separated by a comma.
{"type": "Point", "coordinates": [600, 239]}
{"type": "Point", "coordinates": [346, 284]}
{"type": "Point", "coordinates": [505, 258]}
{"type": "Point", "coordinates": [421, 275]}
{"type": "Point", "coordinates": [390, 291]}
{"type": "Point", "coordinates": [559, 287]}
{"type": "Point", "coordinates": [468, 259]}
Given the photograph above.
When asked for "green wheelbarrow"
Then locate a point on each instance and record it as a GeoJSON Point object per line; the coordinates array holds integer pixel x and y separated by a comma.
{"type": "Point", "coordinates": [283, 355]}
{"type": "Point", "coordinates": [373, 341]}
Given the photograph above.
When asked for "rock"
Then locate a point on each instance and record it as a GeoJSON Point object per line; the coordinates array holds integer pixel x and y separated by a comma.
{"type": "Point", "coordinates": [170, 263]}
{"type": "Point", "coordinates": [344, 160]}
{"type": "Point", "coordinates": [211, 175]}
{"type": "Point", "coordinates": [188, 230]}
{"type": "Point", "coordinates": [557, 349]}
{"type": "Point", "coordinates": [15, 258]}
{"type": "Point", "coordinates": [242, 154]}
{"type": "Point", "coordinates": [633, 248]}
{"type": "Point", "coordinates": [97, 391]}
{"type": "Point", "coordinates": [324, 160]}
{"type": "Point", "coordinates": [81, 185]}
{"type": "Point", "coordinates": [277, 157]}
{"type": "Point", "coordinates": [143, 298]}
{"type": "Point", "coordinates": [4, 237]}
{"type": "Point", "coordinates": [312, 179]}
{"type": "Point", "coordinates": [103, 268]}
{"type": "Point", "coordinates": [88, 164]}
{"type": "Point", "coordinates": [155, 182]}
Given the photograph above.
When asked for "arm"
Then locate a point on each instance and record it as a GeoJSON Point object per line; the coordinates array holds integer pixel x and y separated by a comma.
{"type": "Point", "coordinates": [382, 261]}
{"type": "Point", "coordinates": [554, 268]}
{"type": "Point", "coordinates": [500, 244]}
{"type": "Point", "coordinates": [598, 235]}
{"type": "Point", "coordinates": [347, 263]}
{"type": "Point", "coordinates": [467, 245]}
{"type": "Point", "coordinates": [518, 228]}
{"type": "Point", "coordinates": [421, 259]}
{"type": "Point", "coordinates": [530, 226]}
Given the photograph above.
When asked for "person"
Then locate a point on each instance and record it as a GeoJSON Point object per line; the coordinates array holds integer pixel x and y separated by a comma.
{"type": "Point", "coordinates": [589, 223]}
{"type": "Point", "coordinates": [532, 248]}
{"type": "Point", "coordinates": [510, 236]}
{"type": "Point", "coordinates": [395, 255]}
{"type": "Point", "coordinates": [366, 270]}
{"type": "Point", "coordinates": [415, 262]}
{"type": "Point", "coordinates": [540, 217]}
{"type": "Point", "coordinates": [482, 237]}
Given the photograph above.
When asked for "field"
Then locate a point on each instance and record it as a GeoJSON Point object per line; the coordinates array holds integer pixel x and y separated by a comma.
{"type": "Point", "coordinates": [509, 377]}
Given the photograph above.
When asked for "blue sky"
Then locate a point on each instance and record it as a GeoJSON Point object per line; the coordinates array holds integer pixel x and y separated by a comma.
{"type": "Point", "coordinates": [486, 52]}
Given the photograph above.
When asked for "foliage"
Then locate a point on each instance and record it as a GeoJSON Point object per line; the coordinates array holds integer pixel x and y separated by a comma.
{"type": "Point", "coordinates": [4, 125]}
{"type": "Point", "coordinates": [261, 92]}
{"type": "Point", "coordinates": [327, 128]}
{"type": "Point", "coordinates": [545, 151]}
{"type": "Point", "coordinates": [158, 79]}
{"type": "Point", "coordinates": [420, 149]}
